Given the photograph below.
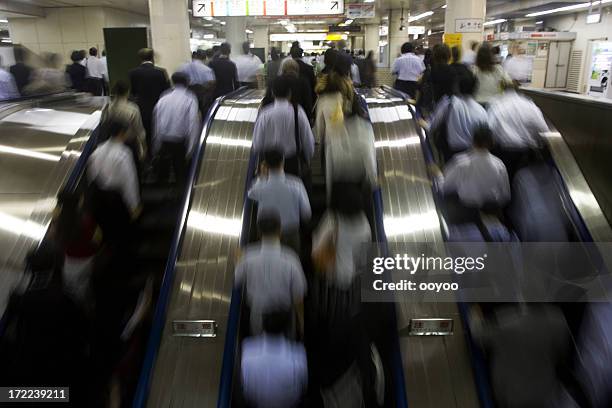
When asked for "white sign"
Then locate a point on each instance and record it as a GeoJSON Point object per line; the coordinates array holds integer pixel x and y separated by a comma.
{"type": "Point", "coordinates": [416, 30]}
{"type": "Point", "coordinates": [227, 8]}
{"type": "Point", "coordinates": [360, 11]}
{"type": "Point", "coordinates": [468, 25]}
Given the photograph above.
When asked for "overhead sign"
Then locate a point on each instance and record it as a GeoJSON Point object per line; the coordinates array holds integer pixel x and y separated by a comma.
{"type": "Point", "coordinates": [360, 11]}
{"type": "Point", "coordinates": [468, 25]}
{"type": "Point", "coordinates": [340, 29]}
{"type": "Point", "coordinates": [431, 327]}
{"type": "Point", "coordinates": [416, 30]}
{"type": "Point", "coordinates": [231, 8]}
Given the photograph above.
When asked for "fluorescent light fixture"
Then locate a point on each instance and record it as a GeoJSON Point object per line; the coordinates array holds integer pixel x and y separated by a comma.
{"type": "Point", "coordinates": [540, 22]}
{"type": "Point", "coordinates": [567, 8]}
{"type": "Point", "coordinates": [593, 18]}
{"type": "Point", "coordinates": [28, 153]}
{"type": "Point", "coordinates": [422, 15]}
{"type": "Point", "coordinates": [444, 6]}
{"type": "Point", "coordinates": [349, 21]}
{"type": "Point", "coordinates": [208, 36]}
{"type": "Point", "coordinates": [222, 22]}
{"type": "Point", "coordinates": [283, 22]}
{"type": "Point", "coordinates": [493, 22]}
{"type": "Point", "coordinates": [369, 1]}
{"type": "Point", "coordinates": [298, 37]}
{"type": "Point", "coordinates": [20, 226]}
{"type": "Point", "coordinates": [7, 40]}
{"type": "Point", "coordinates": [215, 224]}
{"type": "Point", "coordinates": [248, 31]}
{"type": "Point", "coordinates": [208, 18]}
{"type": "Point", "coordinates": [3, 20]}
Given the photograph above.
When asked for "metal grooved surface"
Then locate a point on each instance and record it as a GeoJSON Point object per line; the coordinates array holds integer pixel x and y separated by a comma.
{"type": "Point", "coordinates": [437, 370]}
{"type": "Point", "coordinates": [40, 142]}
{"type": "Point", "coordinates": [187, 370]}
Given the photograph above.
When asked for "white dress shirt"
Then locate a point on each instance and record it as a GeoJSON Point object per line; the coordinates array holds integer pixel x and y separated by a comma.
{"type": "Point", "coordinates": [96, 68]}
{"type": "Point", "coordinates": [477, 177]}
{"type": "Point", "coordinates": [355, 74]}
{"type": "Point", "coordinates": [275, 129]}
{"type": "Point", "coordinates": [408, 67]}
{"type": "Point", "coordinates": [352, 234]}
{"type": "Point", "coordinates": [273, 277]}
{"type": "Point", "coordinates": [176, 118]}
{"type": "Point", "coordinates": [8, 87]}
{"type": "Point", "coordinates": [274, 371]}
{"type": "Point", "coordinates": [285, 194]}
{"type": "Point", "coordinates": [197, 72]}
{"type": "Point", "coordinates": [247, 65]}
{"type": "Point", "coordinates": [112, 167]}
{"type": "Point", "coordinates": [515, 121]}
{"type": "Point", "coordinates": [464, 116]}
{"type": "Point", "coordinates": [469, 57]}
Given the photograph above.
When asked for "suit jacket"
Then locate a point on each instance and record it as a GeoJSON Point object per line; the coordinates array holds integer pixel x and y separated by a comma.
{"type": "Point", "coordinates": [307, 72]}
{"type": "Point", "coordinates": [147, 83]}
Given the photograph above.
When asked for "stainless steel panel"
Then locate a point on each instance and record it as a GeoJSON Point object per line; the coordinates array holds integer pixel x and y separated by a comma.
{"type": "Point", "coordinates": [187, 370]}
{"type": "Point", "coordinates": [437, 370]}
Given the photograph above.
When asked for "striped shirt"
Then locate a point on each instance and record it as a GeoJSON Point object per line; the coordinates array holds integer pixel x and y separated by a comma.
{"type": "Point", "coordinates": [408, 67]}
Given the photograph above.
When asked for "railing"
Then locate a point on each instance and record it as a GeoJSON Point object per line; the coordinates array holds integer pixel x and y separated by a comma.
{"type": "Point", "coordinates": [144, 382]}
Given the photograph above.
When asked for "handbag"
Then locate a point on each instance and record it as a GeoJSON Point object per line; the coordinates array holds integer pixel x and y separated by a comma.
{"type": "Point", "coordinates": [324, 258]}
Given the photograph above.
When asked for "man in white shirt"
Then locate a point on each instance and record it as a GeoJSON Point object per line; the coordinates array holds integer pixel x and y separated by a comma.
{"type": "Point", "coordinates": [275, 126]}
{"type": "Point", "coordinates": [285, 194]}
{"type": "Point", "coordinates": [112, 172]}
{"type": "Point", "coordinates": [201, 79]}
{"type": "Point", "coordinates": [477, 177]}
{"type": "Point", "coordinates": [469, 55]}
{"type": "Point", "coordinates": [274, 370]}
{"type": "Point", "coordinates": [272, 274]}
{"type": "Point", "coordinates": [248, 66]}
{"type": "Point", "coordinates": [96, 71]}
{"type": "Point", "coordinates": [407, 68]}
{"type": "Point", "coordinates": [176, 129]}
{"type": "Point", "coordinates": [455, 118]}
{"type": "Point", "coordinates": [8, 87]}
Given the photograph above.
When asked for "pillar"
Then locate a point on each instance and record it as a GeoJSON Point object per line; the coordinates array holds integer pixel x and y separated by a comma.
{"type": "Point", "coordinates": [396, 36]}
{"type": "Point", "coordinates": [465, 9]}
{"type": "Point", "coordinates": [170, 33]}
{"type": "Point", "coordinates": [261, 39]}
{"type": "Point", "coordinates": [371, 38]}
{"type": "Point", "coordinates": [235, 34]}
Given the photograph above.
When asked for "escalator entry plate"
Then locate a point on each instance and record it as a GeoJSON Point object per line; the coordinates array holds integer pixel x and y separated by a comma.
{"type": "Point", "coordinates": [194, 328]}
{"type": "Point", "coordinates": [431, 327]}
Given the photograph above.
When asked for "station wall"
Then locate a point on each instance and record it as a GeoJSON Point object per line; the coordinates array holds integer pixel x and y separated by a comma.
{"type": "Point", "coordinates": [70, 28]}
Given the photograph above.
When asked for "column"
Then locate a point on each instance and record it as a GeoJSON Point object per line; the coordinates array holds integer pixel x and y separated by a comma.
{"type": "Point", "coordinates": [170, 33]}
{"type": "Point", "coordinates": [468, 9]}
{"type": "Point", "coordinates": [371, 38]}
{"type": "Point", "coordinates": [235, 34]}
{"type": "Point", "coordinates": [396, 36]}
{"type": "Point", "coordinates": [261, 39]}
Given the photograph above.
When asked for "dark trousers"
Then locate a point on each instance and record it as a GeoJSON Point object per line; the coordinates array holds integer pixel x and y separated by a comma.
{"type": "Point", "coordinates": [95, 86]}
{"type": "Point", "coordinates": [407, 87]}
{"type": "Point", "coordinates": [173, 154]}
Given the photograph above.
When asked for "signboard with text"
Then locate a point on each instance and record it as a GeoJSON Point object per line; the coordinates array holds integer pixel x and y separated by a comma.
{"type": "Point", "coordinates": [468, 25]}
{"type": "Point", "coordinates": [230, 8]}
{"type": "Point", "coordinates": [360, 11]}
{"type": "Point", "coordinates": [453, 40]}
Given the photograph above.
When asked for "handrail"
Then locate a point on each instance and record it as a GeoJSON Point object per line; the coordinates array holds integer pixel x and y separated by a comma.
{"type": "Point", "coordinates": [144, 381]}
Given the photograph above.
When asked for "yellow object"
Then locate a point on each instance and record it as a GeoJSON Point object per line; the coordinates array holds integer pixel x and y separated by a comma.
{"type": "Point", "coordinates": [335, 37]}
{"type": "Point", "coordinates": [453, 39]}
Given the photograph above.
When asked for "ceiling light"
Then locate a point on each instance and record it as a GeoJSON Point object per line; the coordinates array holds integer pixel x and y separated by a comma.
{"type": "Point", "coordinates": [283, 22]}
{"type": "Point", "coordinates": [540, 22]}
{"type": "Point", "coordinates": [248, 31]}
{"type": "Point", "coordinates": [567, 8]}
{"type": "Point", "coordinates": [369, 1]}
{"type": "Point", "coordinates": [444, 6]}
{"type": "Point", "coordinates": [7, 40]}
{"type": "Point", "coordinates": [422, 15]}
{"type": "Point", "coordinates": [493, 22]}
{"type": "Point", "coordinates": [349, 21]}
{"type": "Point", "coordinates": [3, 20]}
{"type": "Point", "coordinates": [222, 22]}
{"type": "Point", "coordinates": [208, 36]}
{"type": "Point", "coordinates": [208, 18]}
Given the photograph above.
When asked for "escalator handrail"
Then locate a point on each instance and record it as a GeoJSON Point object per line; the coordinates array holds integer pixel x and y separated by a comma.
{"type": "Point", "coordinates": [144, 381]}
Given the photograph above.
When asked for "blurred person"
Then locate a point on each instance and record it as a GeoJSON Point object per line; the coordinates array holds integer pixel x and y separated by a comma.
{"type": "Point", "coordinates": [459, 69]}
{"type": "Point", "coordinates": [50, 78]}
{"type": "Point", "coordinates": [491, 76]}
{"type": "Point", "coordinates": [368, 78]}
{"type": "Point", "coordinates": [355, 75]}
{"type": "Point", "coordinates": [338, 240]}
{"type": "Point", "coordinates": [329, 59]}
{"type": "Point", "coordinates": [518, 67]}
{"type": "Point", "coordinates": [469, 55]}
{"type": "Point", "coordinates": [147, 83]}
{"type": "Point", "coordinates": [112, 175]}
{"type": "Point", "coordinates": [77, 72]}
{"type": "Point", "coordinates": [407, 68]}
{"type": "Point", "coordinates": [176, 129]}
{"type": "Point", "coordinates": [274, 369]}
{"type": "Point", "coordinates": [456, 117]}
{"type": "Point", "coordinates": [121, 106]}
{"type": "Point", "coordinates": [106, 78]}
{"type": "Point", "coordinates": [478, 178]}
{"type": "Point", "coordinates": [272, 275]}
{"type": "Point", "coordinates": [497, 58]}
{"type": "Point", "coordinates": [96, 71]}
{"type": "Point", "coordinates": [300, 89]}
{"type": "Point", "coordinates": [273, 190]}
{"type": "Point", "coordinates": [210, 53]}
{"type": "Point", "coordinates": [436, 81]}
{"type": "Point", "coordinates": [427, 58]}
{"type": "Point", "coordinates": [273, 67]}
{"type": "Point", "coordinates": [248, 66]}
{"type": "Point", "coordinates": [20, 70]}
{"type": "Point", "coordinates": [226, 73]}
{"type": "Point", "coordinates": [276, 128]}
{"type": "Point", "coordinates": [306, 71]}
{"type": "Point", "coordinates": [8, 87]}
{"type": "Point", "coordinates": [216, 50]}
{"type": "Point", "coordinates": [201, 79]}
{"type": "Point", "coordinates": [516, 123]}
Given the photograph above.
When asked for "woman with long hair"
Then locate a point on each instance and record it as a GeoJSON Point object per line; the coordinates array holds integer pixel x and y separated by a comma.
{"type": "Point", "coordinates": [491, 76]}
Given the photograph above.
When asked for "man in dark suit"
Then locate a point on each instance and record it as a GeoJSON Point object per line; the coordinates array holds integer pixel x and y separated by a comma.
{"type": "Point", "coordinates": [21, 71]}
{"type": "Point", "coordinates": [147, 83]}
{"type": "Point", "coordinates": [306, 71]}
{"type": "Point", "coordinates": [226, 74]}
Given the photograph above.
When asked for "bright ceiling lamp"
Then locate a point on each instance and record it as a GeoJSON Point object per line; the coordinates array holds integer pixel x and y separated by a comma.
{"type": "Point", "coordinates": [567, 8]}
{"type": "Point", "coordinates": [493, 22]}
{"type": "Point", "coordinates": [422, 15]}
{"type": "Point", "coordinates": [444, 6]}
